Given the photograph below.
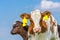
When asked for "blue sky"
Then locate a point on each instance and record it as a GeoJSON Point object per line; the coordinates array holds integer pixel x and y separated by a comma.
{"type": "Point", "coordinates": [11, 9]}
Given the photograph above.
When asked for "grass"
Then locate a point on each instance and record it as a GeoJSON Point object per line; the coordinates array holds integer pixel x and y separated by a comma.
{"type": "Point", "coordinates": [52, 38]}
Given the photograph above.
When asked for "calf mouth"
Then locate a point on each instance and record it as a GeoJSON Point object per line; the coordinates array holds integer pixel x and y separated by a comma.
{"type": "Point", "coordinates": [13, 33]}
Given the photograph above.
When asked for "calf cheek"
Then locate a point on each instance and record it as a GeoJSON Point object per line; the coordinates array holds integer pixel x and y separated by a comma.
{"type": "Point", "coordinates": [44, 24]}
{"type": "Point", "coordinates": [43, 27]}
{"type": "Point", "coordinates": [30, 29]}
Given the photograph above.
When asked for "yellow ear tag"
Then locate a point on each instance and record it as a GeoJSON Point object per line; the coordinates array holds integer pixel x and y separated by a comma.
{"type": "Point", "coordinates": [24, 21]}
{"type": "Point", "coordinates": [45, 17]}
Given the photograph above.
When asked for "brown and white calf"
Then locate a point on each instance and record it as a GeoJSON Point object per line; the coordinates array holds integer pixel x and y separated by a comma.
{"type": "Point", "coordinates": [41, 29]}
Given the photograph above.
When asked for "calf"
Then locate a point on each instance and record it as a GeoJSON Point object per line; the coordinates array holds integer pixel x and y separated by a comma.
{"type": "Point", "coordinates": [40, 28]}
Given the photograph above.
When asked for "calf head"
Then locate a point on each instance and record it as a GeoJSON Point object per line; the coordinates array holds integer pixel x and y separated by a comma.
{"type": "Point", "coordinates": [16, 28]}
{"type": "Point", "coordinates": [34, 20]}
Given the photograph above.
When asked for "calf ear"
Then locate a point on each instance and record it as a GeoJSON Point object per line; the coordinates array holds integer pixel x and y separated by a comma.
{"type": "Point", "coordinates": [25, 15]}
{"type": "Point", "coordinates": [47, 13]}
{"type": "Point", "coordinates": [22, 15]}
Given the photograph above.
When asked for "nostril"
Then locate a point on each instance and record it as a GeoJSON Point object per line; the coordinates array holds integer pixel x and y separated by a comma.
{"type": "Point", "coordinates": [36, 29]}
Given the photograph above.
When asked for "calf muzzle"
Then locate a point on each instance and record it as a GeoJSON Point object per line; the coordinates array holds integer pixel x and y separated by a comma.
{"type": "Point", "coordinates": [38, 29]}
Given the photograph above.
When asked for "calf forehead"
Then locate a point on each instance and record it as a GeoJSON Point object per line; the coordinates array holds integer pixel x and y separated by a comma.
{"type": "Point", "coordinates": [36, 16]}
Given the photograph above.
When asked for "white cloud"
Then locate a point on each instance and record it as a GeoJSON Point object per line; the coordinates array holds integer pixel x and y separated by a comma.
{"type": "Point", "coordinates": [45, 4]}
{"type": "Point", "coordinates": [49, 4]}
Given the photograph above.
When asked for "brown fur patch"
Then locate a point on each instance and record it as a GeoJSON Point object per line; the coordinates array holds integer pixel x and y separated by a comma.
{"type": "Point", "coordinates": [43, 24]}
{"type": "Point", "coordinates": [31, 26]}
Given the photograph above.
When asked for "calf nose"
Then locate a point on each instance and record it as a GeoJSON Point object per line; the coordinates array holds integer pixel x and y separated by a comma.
{"type": "Point", "coordinates": [38, 29]}
{"type": "Point", "coordinates": [12, 32]}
